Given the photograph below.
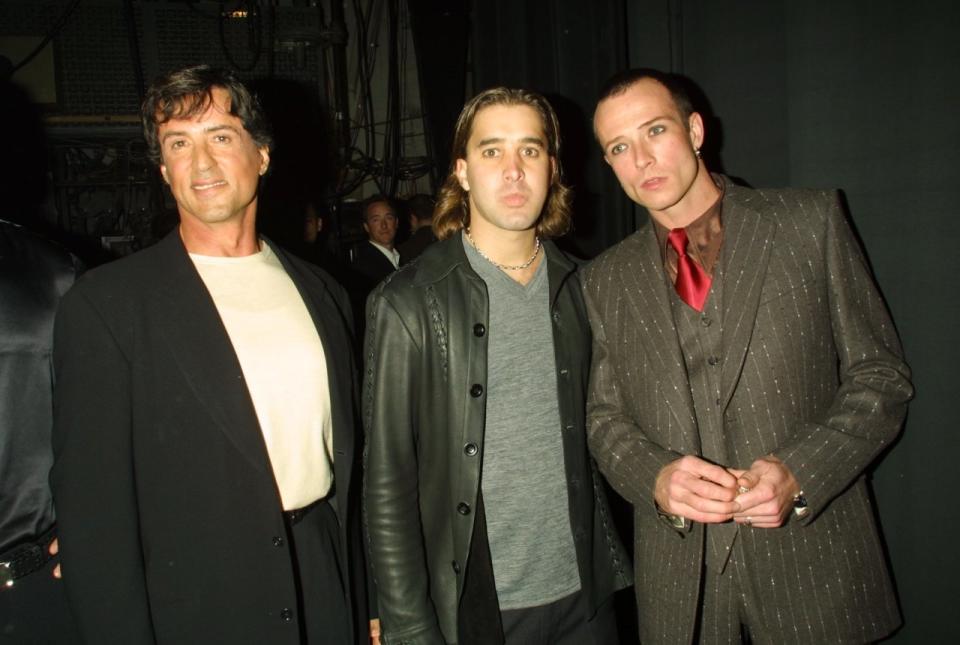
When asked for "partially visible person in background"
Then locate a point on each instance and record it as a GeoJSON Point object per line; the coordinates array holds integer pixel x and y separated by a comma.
{"type": "Point", "coordinates": [34, 275]}
{"type": "Point", "coordinates": [377, 258]}
{"type": "Point", "coordinates": [420, 210]}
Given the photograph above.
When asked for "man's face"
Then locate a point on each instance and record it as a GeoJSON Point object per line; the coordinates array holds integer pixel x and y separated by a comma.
{"type": "Point", "coordinates": [212, 164]}
{"type": "Point", "coordinates": [380, 223]}
{"type": "Point", "coordinates": [651, 150]}
{"type": "Point", "coordinates": [507, 170]}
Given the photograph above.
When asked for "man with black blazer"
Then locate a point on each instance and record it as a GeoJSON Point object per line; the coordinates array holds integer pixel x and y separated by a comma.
{"type": "Point", "coordinates": [204, 427]}
{"type": "Point", "coordinates": [745, 375]}
{"type": "Point", "coordinates": [377, 258]}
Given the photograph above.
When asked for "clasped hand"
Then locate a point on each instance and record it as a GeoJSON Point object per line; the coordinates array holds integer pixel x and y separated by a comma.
{"type": "Point", "coordinates": [761, 496]}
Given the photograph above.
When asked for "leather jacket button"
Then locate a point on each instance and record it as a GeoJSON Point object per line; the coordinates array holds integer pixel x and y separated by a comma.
{"type": "Point", "coordinates": [479, 330]}
{"type": "Point", "coordinates": [277, 541]}
{"type": "Point", "coordinates": [470, 449]}
{"type": "Point", "coordinates": [286, 614]}
{"type": "Point", "coordinates": [476, 390]}
{"type": "Point", "coordinates": [463, 508]}
{"type": "Point", "coordinates": [456, 566]}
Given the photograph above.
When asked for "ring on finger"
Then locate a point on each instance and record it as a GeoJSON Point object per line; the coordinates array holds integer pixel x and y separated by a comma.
{"type": "Point", "coordinates": [748, 521]}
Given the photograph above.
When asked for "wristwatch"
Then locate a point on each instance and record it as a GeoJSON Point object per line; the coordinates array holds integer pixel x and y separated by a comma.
{"type": "Point", "coordinates": [800, 508]}
{"type": "Point", "coordinates": [674, 521]}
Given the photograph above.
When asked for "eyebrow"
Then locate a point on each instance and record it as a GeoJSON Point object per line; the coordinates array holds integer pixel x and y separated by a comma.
{"type": "Point", "coordinates": [486, 142]}
{"type": "Point", "coordinates": [662, 117]}
{"type": "Point", "coordinates": [212, 128]}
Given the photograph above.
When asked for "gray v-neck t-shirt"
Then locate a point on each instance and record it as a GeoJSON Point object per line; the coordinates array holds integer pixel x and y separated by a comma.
{"type": "Point", "coordinates": [523, 478]}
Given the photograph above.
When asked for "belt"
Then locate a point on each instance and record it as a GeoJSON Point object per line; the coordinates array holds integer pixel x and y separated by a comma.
{"type": "Point", "coordinates": [297, 514]}
{"type": "Point", "coordinates": [24, 559]}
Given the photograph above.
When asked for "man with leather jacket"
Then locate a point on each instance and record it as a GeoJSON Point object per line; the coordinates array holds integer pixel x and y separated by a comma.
{"type": "Point", "coordinates": [486, 518]}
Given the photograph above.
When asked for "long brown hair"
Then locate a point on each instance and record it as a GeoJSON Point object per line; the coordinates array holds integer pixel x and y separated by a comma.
{"type": "Point", "coordinates": [453, 207]}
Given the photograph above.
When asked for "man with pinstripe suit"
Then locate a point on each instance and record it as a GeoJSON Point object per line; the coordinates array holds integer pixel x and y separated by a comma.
{"type": "Point", "coordinates": [745, 375]}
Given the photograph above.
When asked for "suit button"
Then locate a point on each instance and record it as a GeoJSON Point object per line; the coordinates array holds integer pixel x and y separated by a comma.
{"type": "Point", "coordinates": [463, 508]}
{"type": "Point", "coordinates": [476, 390]}
{"type": "Point", "coordinates": [470, 449]}
{"type": "Point", "coordinates": [479, 330]}
{"type": "Point", "coordinates": [705, 321]}
{"type": "Point", "coordinates": [277, 541]}
{"type": "Point", "coordinates": [713, 360]}
{"type": "Point", "coordinates": [456, 566]}
{"type": "Point", "coordinates": [286, 614]}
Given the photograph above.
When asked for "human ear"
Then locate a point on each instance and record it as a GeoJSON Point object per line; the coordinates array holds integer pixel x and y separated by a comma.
{"type": "Point", "coordinates": [695, 128]}
{"type": "Point", "coordinates": [264, 160]}
{"type": "Point", "coordinates": [460, 170]}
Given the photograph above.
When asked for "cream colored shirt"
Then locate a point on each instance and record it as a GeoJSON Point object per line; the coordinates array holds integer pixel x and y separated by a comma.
{"type": "Point", "coordinates": [283, 364]}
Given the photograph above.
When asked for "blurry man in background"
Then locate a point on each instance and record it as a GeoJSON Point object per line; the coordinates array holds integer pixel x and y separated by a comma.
{"type": "Point", "coordinates": [377, 258]}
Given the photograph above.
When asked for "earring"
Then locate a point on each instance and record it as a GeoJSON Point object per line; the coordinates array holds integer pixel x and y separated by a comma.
{"type": "Point", "coordinates": [697, 150]}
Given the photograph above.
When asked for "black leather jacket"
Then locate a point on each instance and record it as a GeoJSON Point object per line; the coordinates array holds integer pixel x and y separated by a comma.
{"type": "Point", "coordinates": [34, 275]}
{"type": "Point", "coordinates": [424, 409]}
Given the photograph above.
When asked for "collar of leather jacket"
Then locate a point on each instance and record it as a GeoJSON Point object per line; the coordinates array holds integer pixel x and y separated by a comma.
{"type": "Point", "coordinates": [446, 255]}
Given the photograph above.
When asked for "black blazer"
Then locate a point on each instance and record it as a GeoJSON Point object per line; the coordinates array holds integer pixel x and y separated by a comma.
{"type": "Point", "coordinates": [170, 520]}
{"type": "Point", "coordinates": [371, 265]}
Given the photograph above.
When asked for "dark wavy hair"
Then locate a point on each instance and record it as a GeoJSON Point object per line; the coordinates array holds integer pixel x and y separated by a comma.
{"type": "Point", "coordinates": [453, 207]}
{"type": "Point", "coordinates": [187, 92]}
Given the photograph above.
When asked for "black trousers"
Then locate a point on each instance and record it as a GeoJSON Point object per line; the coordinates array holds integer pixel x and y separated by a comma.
{"type": "Point", "coordinates": [34, 611]}
{"type": "Point", "coordinates": [324, 610]}
{"type": "Point", "coordinates": [563, 622]}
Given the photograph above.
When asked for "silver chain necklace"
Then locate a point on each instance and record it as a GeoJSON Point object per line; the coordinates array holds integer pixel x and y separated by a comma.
{"type": "Point", "coordinates": [505, 267]}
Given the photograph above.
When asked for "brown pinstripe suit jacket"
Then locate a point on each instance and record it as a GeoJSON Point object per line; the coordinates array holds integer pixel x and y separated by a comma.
{"type": "Point", "coordinates": [812, 372]}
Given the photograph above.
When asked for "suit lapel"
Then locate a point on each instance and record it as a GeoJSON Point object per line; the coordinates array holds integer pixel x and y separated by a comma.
{"type": "Point", "coordinates": [747, 241]}
{"type": "Point", "coordinates": [201, 349]}
{"type": "Point", "coordinates": [647, 293]}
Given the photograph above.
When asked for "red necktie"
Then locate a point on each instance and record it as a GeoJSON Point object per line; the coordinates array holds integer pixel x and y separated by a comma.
{"type": "Point", "coordinates": [693, 283]}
